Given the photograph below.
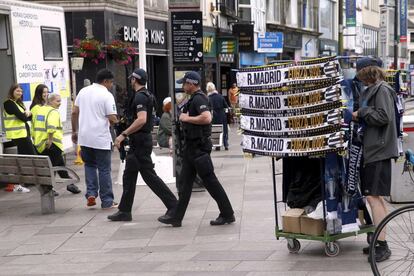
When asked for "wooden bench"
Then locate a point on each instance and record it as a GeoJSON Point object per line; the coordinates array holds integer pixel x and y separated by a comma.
{"type": "Point", "coordinates": [217, 136]}
{"type": "Point", "coordinates": [35, 170]}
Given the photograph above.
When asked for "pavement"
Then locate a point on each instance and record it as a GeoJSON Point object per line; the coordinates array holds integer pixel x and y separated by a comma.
{"type": "Point", "coordinates": [80, 240]}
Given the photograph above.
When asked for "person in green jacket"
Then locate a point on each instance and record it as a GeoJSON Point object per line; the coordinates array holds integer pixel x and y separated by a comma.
{"type": "Point", "coordinates": [164, 135]}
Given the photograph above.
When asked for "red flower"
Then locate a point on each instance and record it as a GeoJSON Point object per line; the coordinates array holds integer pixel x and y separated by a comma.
{"type": "Point", "coordinates": [89, 48]}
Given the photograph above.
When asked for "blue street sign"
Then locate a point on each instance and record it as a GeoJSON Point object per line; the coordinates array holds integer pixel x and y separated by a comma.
{"type": "Point", "coordinates": [270, 43]}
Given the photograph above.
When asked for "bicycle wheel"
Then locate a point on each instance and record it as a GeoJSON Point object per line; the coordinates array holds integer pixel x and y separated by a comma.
{"type": "Point", "coordinates": [399, 227]}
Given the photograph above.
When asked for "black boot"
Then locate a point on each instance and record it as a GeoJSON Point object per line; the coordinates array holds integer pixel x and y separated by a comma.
{"type": "Point", "coordinates": [167, 219]}
{"type": "Point", "coordinates": [222, 220]}
{"type": "Point", "coordinates": [120, 216]}
{"type": "Point", "coordinates": [382, 252]}
{"type": "Point", "coordinates": [73, 189]}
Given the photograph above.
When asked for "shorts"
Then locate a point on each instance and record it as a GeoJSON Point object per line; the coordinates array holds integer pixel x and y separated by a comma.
{"type": "Point", "coordinates": [376, 178]}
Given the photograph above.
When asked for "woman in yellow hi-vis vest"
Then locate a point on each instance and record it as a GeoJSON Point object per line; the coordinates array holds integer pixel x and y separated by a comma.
{"type": "Point", "coordinates": [39, 99]}
{"type": "Point", "coordinates": [48, 135]}
{"type": "Point", "coordinates": [17, 129]}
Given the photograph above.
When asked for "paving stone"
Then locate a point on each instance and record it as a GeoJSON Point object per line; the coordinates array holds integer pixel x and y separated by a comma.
{"type": "Point", "coordinates": [198, 266]}
{"type": "Point", "coordinates": [58, 230]}
{"type": "Point", "coordinates": [121, 267]}
{"type": "Point", "coordinates": [14, 270]}
{"type": "Point", "coordinates": [232, 255]}
{"type": "Point", "coordinates": [126, 243]}
{"type": "Point", "coordinates": [40, 259]}
{"type": "Point", "coordinates": [105, 258]}
{"type": "Point", "coordinates": [266, 266]}
{"type": "Point", "coordinates": [169, 256]}
{"type": "Point", "coordinates": [42, 244]}
{"type": "Point", "coordinates": [79, 244]}
{"type": "Point", "coordinates": [215, 273]}
{"type": "Point", "coordinates": [47, 269]}
{"type": "Point", "coordinates": [133, 233]}
{"type": "Point", "coordinates": [333, 264]}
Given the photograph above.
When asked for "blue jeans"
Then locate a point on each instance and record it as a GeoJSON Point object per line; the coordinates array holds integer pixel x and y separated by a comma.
{"type": "Point", "coordinates": [98, 174]}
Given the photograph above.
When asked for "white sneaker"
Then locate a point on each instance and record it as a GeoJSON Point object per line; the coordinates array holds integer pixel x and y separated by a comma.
{"type": "Point", "coordinates": [20, 189]}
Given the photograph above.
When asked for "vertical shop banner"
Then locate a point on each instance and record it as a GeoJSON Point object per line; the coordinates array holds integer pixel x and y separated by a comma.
{"type": "Point", "coordinates": [350, 13]}
{"type": "Point", "coordinates": [403, 20]}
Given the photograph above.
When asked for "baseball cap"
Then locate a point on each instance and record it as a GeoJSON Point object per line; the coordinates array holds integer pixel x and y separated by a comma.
{"type": "Point", "coordinates": [166, 100]}
{"type": "Point", "coordinates": [190, 77]}
{"type": "Point", "coordinates": [140, 75]}
{"type": "Point", "coordinates": [368, 61]}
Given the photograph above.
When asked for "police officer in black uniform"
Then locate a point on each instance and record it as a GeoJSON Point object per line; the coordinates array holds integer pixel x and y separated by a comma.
{"type": "Point", "coordinates": [196, 125]}
{"type": "Point", "coordinates": [138, 159]}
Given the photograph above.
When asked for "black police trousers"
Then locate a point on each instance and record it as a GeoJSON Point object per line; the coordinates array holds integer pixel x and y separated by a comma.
{"type": "Point", "coordinates": [56, 158]}
{"type": "Point", "coordinates": [138, 160]}
{"type": "Point", "coordinates": [197, 160]}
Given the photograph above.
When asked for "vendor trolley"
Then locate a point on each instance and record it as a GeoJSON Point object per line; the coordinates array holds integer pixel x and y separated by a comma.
{"type": "Point", "coordinates": [332, 247]}
{"type": "Point", "coordinates": [295, 109]}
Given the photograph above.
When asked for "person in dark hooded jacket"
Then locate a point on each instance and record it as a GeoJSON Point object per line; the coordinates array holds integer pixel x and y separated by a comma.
{"type": "Point", "coordinates": [219, 107]}
{"type": "Point", "coordinates": [376, 112]}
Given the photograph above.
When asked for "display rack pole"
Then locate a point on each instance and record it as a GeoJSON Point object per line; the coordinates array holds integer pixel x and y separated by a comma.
{"type": "Point", "coordinates": [275, 194]}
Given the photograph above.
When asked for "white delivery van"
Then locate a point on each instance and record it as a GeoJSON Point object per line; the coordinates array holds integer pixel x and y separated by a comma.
{"type": "Point", "coordinates": [33, 50]}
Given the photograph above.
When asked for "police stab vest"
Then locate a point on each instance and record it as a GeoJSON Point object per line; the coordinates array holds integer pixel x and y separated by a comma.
{"type": "Point", "coordinates": [192, 131]}
{"type": "Point", "coordinates": [14, 127]}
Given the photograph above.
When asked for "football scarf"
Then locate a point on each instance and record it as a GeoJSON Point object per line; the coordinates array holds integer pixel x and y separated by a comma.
{"type": "Point", "coordinates": [288, 74]}
{"type": "Point", "coordinates": [299, 100]}
{"type": "Point", "coordinates": [302, 146]}
{"type": "Point", "coordinates": [270, 125]}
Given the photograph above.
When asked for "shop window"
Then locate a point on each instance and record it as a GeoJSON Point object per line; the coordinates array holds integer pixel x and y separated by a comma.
{"type": "Point", "coordinates": [4, 43]}
{"type": "Point", "coordinates": [327, 21]}
{"type": "Point", "coordinates": [52, 44]}
{"type": "Point", "coordinates": [411, 57]}
{"type": "Point", "coordinates": [245, 14]}
{"type": "Point", "coordinates": [412, 37]}
{"type": "Point", "coordinates": [309, 14]}
{"type": "Point", "coordinates": [273, 10]}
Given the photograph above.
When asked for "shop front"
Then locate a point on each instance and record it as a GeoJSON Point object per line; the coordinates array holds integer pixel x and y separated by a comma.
{"type": "Point", "coordinates": [81, 25]}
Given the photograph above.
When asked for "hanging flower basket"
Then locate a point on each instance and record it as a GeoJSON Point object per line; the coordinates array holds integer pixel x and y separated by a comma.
{"type": "Point", "coordinates": [89, 48]}
{"type": "Point", "coordinates": [121, 52]}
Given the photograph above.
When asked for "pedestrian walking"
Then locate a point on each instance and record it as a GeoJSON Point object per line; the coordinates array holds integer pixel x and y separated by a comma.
{"type": "Point", "coordinates": [219, 108]}
{"type": "Point", "coordinates": [48, 134]}
{"type": "Point", "coordinates": [93, 112]}
{"type": "Point", "coordinates": [196, 121]}
{"type": "Point", "coordinates": [138, 159]}
{"type": "Point", "coordinates": [17, 129]}
{"type": "Point", "coordinates": [380, 143]}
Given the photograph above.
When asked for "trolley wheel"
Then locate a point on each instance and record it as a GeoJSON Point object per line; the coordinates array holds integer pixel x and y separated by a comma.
{"type": "Point", "coordinates": [293, 245]}
{"type": "Point", "coordinates": [331, 249]}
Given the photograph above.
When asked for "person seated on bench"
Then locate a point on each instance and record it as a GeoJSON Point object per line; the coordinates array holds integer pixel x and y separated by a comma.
{"type": "Point", "coordinates": [48, 135]}
{"type": "Point", "coordinates": [164, 135]}
{"type": "Point", "coordinates": [16, 127]}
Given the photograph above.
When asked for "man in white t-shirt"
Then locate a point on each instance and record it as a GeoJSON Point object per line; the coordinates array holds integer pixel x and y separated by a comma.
{"type": "Point", "coordinates": [93, 113]}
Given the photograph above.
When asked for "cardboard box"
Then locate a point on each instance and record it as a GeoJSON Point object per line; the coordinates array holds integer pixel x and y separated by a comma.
{"type": "Point", "coordinates": [291, 220]}
{"type": "Point", "coordinates": [310, 226]}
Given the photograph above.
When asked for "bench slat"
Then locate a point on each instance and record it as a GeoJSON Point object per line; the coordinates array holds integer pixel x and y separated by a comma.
{"type": "Point", "coordinates": [4, 161]}
{"type": "Point", "coordinates": [35, 171]}
{"type": "Point", "coordinates": [16, 179]}
{"type": "Point", "coordinates": [9, 169]}
{"type": "Point", "coordinates": [41, 162]}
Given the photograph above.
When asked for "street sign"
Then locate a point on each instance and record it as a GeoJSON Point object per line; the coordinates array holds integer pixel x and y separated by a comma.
{"type": "Point", "coordinates": [187, 37]}
{"type": "Point", "coordinates": [270, 43]}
